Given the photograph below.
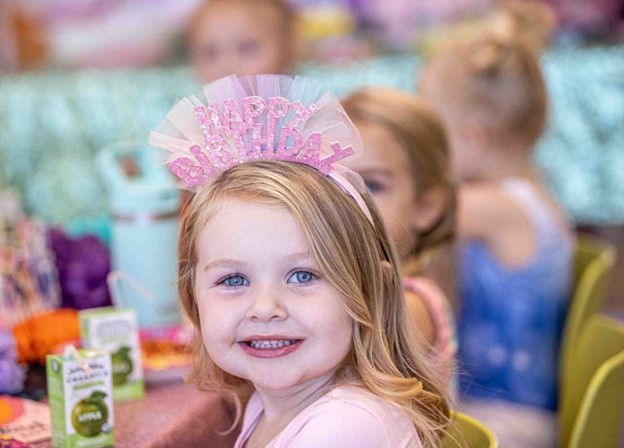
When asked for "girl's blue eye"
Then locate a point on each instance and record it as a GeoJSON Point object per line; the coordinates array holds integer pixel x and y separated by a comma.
{"type": "Point", "coordinates": [374, 186]}
{"type": "Point", "coordinates": [302, 277]}
{"type": "Point", "coordinates": [235, 281]}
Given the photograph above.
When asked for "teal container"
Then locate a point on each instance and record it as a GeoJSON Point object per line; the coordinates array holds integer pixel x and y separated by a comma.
{"type": "Point", "coordinates": [144, 204]}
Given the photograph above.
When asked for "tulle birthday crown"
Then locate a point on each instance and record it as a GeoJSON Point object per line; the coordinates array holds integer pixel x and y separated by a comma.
{"type": "Point", "coordinates": [264, 117]}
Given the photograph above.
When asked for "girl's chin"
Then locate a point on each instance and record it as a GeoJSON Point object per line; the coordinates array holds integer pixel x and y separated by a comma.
{"type": "Point", "coordinates": [272, 380]}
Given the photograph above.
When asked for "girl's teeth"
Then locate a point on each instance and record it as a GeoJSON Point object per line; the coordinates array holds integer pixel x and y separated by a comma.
{"type": "Point", "coordinates": [269, 345]}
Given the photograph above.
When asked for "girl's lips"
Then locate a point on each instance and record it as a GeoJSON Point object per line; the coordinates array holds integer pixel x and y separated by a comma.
{"type": "Point", "coordinates": [270, 347]}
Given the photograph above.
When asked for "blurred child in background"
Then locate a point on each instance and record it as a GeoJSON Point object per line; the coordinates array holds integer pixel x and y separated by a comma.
{"type": "Point", "coordinates": [406, 167]}
{"type": "Point", "coordinates": [242, 37]}
{"type": "Point", "coordinates": [516, 243]}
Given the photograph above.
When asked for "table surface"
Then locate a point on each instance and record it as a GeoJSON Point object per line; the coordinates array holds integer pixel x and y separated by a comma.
{"type": "Point", "coordinates": [172, 414]}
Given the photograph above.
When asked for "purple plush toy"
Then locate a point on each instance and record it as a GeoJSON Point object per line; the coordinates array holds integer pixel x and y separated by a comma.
{"type": "Point", "coordinates": [11, 374]}
{"type": "Point", "coordinates": [83, 265]}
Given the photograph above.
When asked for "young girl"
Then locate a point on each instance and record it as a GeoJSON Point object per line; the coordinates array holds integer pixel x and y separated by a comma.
{"type": "Point", "coordinates": [407, 169]}
{"type": "Point", "coordinates": [517, 248]}
{"type": "Point", "coordinates": [244, 37]}
{"type": "Point", "coordinates": [286, 270]}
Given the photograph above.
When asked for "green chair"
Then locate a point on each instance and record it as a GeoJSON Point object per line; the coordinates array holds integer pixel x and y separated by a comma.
{"type": "Point", "coordinates": [594, 394]}
{"type": "Point", "coordinates": [594, 262]}
{"type": "Point", "coordinates": [599, 420]}
{"type": "Point", "coordinates": [467, 432]}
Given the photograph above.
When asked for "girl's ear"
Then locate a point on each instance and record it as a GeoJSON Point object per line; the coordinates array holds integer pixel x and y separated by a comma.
{"type": "Point", "coordinates": [429, 207]}
{"type": "Point", "coordinates": [471, 134]}
{"type": "Point", "coordinates": [474, 136]}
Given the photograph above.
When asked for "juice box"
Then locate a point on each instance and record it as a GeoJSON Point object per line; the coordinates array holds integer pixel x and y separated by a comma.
{"type": "Point", "coordinates": [81, 403]}
{"type": "Point", "coordinates": [116, 330]}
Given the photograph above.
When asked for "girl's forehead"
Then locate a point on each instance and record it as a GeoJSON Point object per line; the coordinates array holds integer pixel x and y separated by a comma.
{"type": "Point", "coordinates": [247, 210]}
{"type": "Point", "coordinates": [251, 222]}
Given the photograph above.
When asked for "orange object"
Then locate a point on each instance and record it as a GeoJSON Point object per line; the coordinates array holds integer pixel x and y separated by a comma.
{"type": "Point", "coordinates": [39, 335]}
{"type": "Point", "coordinates": [32, 45]}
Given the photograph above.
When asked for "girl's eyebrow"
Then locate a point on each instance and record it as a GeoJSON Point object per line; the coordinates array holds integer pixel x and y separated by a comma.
{"type": "Point", "coordinates": [299, 256]}
{"type": "Point", "coordinates": [238, 264]}
{"type": "Point", "coordinates": [221, 263]}
{"type": "Point", "coordinates": [375, 171]}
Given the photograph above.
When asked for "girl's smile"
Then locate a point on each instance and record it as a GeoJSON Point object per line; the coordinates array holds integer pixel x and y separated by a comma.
{"type": "Point", "coordinates": [271, 346]}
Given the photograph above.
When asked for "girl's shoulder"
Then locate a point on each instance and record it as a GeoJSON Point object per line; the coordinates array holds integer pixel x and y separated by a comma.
{"type": "Point", "coordinates": [509, 201]}
{"type": "Point", "coordinates": [424, 295]}
{"type": "Point", "coordinates": [485, 205]}
{"type": "Point", "coordinates": [425, 288]}
{"type": "Point", "coordinates": [513, 219]}
{"type": "Point", "coordinates": [350, 416]}
{"type": "Point", "coordinates": [442, 319]}
{"type": "Point", "coordinates": [434, 300]}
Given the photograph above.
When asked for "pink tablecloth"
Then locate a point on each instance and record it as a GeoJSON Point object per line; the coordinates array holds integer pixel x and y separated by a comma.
{"type": "Point", "coordinates": [173, 415]}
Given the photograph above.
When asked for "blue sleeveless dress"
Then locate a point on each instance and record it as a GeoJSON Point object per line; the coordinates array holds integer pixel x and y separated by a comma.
{"type": "Point", "coordinates": [511, 318]}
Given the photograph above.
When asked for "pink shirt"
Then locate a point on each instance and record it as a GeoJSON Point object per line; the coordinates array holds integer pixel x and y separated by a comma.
{"type": "Point", "coordinates": [445, 342]}
{"type": "Point", "coordinates": [345, 417]}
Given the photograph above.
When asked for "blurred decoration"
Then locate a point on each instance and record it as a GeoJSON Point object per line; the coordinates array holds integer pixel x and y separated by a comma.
{"type": "Point", "coordinates": [10, 442]}
{"type": "Point", "coordinates": [37, 34]}
{"type": "Point", "coordinates": [399, 25]}
{"type": "Point", "coordinates": [586, 21]}
{"type": "Point", "coordinates": [165, 353]}
{"type": "Point", "coordinates": [23, 41]}
{"type": "Point", "coordinates": [11, 374]}
{"type": "Point", "coordinates": [325, 18]}
{"type": "Point", "coordinates": [24, 423]}
{"type": "Point", "coordinates": [93, 33]}
{"type": "Point", "coordinates": [28, 277]}
{"type": "Point", "coordinates": [329, 31]}
{"type": "Point", "coordinates": [46, 333]}
{"type": "Point", "coordinates": [83, 264]}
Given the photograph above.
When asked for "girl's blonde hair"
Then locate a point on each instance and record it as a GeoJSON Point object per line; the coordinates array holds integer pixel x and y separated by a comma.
{"type": "Point", "coordinates": [355, 257]}
{"type": "Point", "coordinates": [492, 75]}
{"type": "Point", "coordinates": [418, 130]}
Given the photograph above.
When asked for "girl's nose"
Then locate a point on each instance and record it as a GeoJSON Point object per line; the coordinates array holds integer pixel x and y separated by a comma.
{"type": "Point", "coordinates": [266, 306]}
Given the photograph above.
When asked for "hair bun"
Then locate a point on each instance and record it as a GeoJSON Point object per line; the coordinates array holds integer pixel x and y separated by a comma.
{"type": "Point", "coordinates": [490, 56]}
{"type": "Point", "coordinates": [531, 22]}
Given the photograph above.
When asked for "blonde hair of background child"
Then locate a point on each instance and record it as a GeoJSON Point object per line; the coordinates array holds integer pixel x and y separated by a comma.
{"type": "Point", "coordinates": [420, 133]}
{"type": "Point", "coordinates": [492, 74]}
{"type": "Point", "coordinates": [287, 21]}
{"type": "Point", "coordinates": [355, 257]}
{"type": "Point", "coordinates": [286, 15]}
{"type": "Point", "coordinates": [533, 20]}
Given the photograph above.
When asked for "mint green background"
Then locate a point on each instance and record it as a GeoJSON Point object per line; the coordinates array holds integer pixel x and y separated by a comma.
{"type": "Point", "coordinates": [53, 124]}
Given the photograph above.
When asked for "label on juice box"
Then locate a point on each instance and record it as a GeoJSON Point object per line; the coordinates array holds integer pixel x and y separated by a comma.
{"type": "Point", "coordinates": [81, 402]}
{"type": "Point", "coordinates": [116, 330]}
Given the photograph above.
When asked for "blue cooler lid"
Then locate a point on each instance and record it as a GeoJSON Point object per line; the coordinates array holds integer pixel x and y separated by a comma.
{"type": "Point", "coordinates": [136, 182]}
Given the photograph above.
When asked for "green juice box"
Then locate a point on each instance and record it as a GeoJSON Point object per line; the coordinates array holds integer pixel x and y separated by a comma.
{"type": "Point", "coordinates": [81, 403]}
{"type": "Point", "coordinates": [116, 330]}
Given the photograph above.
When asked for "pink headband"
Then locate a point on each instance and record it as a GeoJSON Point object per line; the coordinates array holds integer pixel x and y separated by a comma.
{"type": "Point", "coordinates": [264, 117]}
